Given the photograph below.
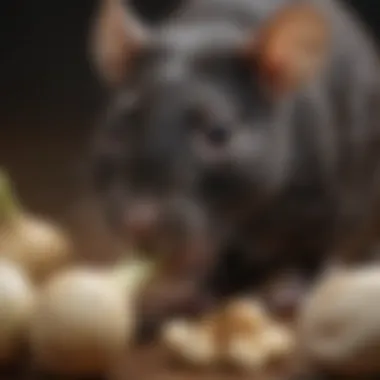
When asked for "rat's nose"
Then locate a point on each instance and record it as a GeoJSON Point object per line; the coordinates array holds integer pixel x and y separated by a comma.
{"type": "Point", "coordinates": [141, 220]}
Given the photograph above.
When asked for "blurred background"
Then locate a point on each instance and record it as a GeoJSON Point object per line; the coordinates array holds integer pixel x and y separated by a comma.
{"type": "Point", "coordinates": [49, 102]}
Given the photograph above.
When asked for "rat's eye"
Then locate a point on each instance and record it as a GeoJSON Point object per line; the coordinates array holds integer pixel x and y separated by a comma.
{"type": "Point", "coordinates": [218, 135]}
{"type": "Point", "coordinates": [203, 123]}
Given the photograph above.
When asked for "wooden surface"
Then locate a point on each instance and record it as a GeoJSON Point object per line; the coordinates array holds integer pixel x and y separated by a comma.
{"type": "Point", "coordinates": [149, 364]}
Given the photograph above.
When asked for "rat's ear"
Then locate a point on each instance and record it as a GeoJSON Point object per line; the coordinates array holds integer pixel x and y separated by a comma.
{"type": "Point", "coordinates": [115, 37]}
{"type": "Point", "coordinates": [291, 47]}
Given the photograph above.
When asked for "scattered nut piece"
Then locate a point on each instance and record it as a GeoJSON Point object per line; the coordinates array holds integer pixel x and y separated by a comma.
{"type": "Point", "coordinates": [244, 353]}
{"type": "Point", "coordinates": [277, 341]}
{"type": "Point", "coordinates": [242, 335]}
{"type": "Point", "coordinates": [192, 342]}
{"type": "Point", "coordinates": [245, 316]}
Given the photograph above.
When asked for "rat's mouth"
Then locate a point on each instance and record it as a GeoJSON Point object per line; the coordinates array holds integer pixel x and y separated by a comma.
{"type": "Point", "coordinates": [158, 244]}
{"type": "Point", "coordinates": [164, 228]}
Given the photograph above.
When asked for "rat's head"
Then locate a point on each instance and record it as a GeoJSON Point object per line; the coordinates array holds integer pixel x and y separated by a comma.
{"type": "Point", "coordinates": [193, 108]}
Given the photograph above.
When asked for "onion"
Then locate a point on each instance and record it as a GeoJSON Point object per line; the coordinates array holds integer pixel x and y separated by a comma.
{"type": "Point", "coordinates": [339, 324]}
{"type": "Point", "coordinates": [36, 244]}
{"type": "Point", "coordinates": [17, 298]}
{"type": "Point", "coordinates": [85, 318]}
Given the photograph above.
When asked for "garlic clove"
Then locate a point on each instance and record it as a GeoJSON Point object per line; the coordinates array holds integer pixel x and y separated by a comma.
{"type": "Point", "coordinates": [245, 316]}
{"type": "Point", "coordinates": [192, 342]}
{"type": "Point", "coordinates": [277, 341]}
{"type": "Point", "coordinates": [245, 354]}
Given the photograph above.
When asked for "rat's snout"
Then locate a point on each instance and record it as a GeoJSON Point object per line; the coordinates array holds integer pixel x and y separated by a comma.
{"type": "Point", "coordinates": [161, 225]}
{"type": "Point", "coordinates": [141, 220]}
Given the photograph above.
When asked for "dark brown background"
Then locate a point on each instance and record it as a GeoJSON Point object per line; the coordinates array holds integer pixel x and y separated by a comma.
{"type": "Point", "coordinates": [48, 100]}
